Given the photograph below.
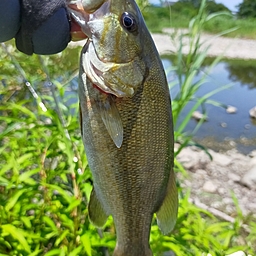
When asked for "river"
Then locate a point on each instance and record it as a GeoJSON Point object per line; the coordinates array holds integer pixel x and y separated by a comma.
{"type": "Point", "coordinates": [223, 131]}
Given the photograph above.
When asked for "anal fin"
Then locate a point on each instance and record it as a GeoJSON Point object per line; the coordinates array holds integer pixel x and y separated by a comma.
{"type": "Point", "coordinates": [97, 214]}
{"type": "Point", "coordinates": [167, 213]}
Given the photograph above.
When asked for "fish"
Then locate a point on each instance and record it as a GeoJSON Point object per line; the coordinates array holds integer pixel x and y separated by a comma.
{"type": "Point", "coordinates": [126, 124]}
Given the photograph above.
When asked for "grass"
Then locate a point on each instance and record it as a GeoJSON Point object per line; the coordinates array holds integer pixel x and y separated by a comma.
{"type": "Point", "coordinates": [45, 181]}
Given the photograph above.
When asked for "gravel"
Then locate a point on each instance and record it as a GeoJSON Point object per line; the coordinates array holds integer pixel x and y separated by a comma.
{"type": "Point", "coordinates": [214, 182]}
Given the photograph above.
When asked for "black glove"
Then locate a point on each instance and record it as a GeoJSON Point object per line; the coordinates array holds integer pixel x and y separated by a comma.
{"type": "Point", "coordinates": [39, 26]}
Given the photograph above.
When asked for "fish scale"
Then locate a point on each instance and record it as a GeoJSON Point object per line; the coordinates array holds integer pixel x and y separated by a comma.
{"type": "Point", "coordinates": [128, 139]}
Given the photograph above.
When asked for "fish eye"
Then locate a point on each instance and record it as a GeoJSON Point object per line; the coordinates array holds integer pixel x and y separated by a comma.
{"type": "Point", "coordinates": [128, 22]}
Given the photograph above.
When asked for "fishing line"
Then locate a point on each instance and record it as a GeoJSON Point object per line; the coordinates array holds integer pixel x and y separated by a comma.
{"type": "Point", "coordinates": [25, 80]}
{"type": "Point", "coordinates": [60, 115]}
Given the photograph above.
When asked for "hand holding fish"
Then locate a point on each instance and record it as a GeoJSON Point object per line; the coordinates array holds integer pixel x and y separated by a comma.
{"type": "Point", "coordinates": [40, 27]}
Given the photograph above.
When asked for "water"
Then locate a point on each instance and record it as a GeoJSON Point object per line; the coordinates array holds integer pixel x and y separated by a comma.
{"type": "Point", "coordinates": [222, 130]}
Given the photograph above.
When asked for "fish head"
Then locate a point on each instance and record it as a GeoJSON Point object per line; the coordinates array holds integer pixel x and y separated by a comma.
{"type": "Point", "coordinates": [115, 31]}
{"type": "Point", "coordinates": [113, 58]}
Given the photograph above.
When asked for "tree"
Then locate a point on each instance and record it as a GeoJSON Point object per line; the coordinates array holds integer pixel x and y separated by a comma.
{"type": "Point", "coordinates": [247, 9]}
{"type": "Point", "coordinates": [211, 5]}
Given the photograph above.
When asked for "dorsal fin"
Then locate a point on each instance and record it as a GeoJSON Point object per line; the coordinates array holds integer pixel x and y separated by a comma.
{"type": "Point", "coordinates": [167, 214]}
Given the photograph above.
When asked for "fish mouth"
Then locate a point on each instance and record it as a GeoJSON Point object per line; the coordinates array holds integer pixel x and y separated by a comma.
{"type": "Point", "coordinates": [119, 79]}
{"type": "Point", "coordinates": [80, 17]}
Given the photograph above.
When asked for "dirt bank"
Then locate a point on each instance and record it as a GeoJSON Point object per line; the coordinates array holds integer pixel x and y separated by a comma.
{"type": "Point", "coordinates": [232, 48]}
{"type": "Point", "coordinates": [212, 182]}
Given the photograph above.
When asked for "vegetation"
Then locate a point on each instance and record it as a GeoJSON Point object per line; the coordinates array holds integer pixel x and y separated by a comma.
{"type": "Point", "coordinates": [247, 9]}
{"type": "Point", "coordinates": [45, 181]}
{"type": "Point", "coordinates": [180, 14]}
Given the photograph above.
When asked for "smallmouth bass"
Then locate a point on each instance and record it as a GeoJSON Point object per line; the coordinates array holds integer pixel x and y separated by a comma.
{"type": "Point", "coordinates": [126, 124]}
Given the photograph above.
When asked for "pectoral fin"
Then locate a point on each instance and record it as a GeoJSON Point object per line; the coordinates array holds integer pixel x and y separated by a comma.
{"type": "Point", "coordinates": [97, 215]}
{"type": "Point", "coordinates": [167, 214]}
{"type": "Point", "coordinates": [112, 120]}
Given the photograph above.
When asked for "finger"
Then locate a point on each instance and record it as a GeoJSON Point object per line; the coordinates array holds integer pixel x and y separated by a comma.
{"type": "Point", "coordinates": [53, 35]}
{"type": "Point", "coordinates": [9, 19]}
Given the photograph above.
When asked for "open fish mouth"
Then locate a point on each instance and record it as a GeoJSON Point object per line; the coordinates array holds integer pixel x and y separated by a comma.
{"type": "Point", "coordinates": [119, 79]}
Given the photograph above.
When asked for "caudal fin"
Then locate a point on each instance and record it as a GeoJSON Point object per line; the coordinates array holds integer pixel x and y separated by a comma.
{"type": "Point", "coordinates": [133, 250]}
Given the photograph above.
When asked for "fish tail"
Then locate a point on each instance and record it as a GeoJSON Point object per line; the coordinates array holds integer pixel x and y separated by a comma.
{"type": "Point", "coordinates": [132, 251]}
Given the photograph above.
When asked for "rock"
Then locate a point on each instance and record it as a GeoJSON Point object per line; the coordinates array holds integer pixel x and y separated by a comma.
{"type": "Point", "coordinates": [253, 161]}
{"type": "Point", "coordinates": [234, 177]}
{"type": "Point", "coordinates": [223, 125]}
{"type": "Point", "coordinates": [252, 154]}
{"type": "Point", "coordinates": [228, 200]}
{"type": "Point", "coordinates": [239, 253]}
{"type": "Point", "coordinates": [221, 191]}
{"type": "Point", "coordinates": [193, 160]}
{"type": "Point", "coordinates": [210, 187]}
{"type": "Point", "coordinates": [201, 172]}
{"type": "Point", "coordinates": [222, 160]}
{"type": "Point", "coordinates": [247, 126]}
{"type": "Point", "coordinates": [231, 109]}
{"type": "Point", "coordinates": [249, 179]}
{"type": "Point", "coordinates": [199, 116]}
{"type": "Point", "coordinates": [169, 253]}
{"type": "Point", "coordinates": [252, 112]}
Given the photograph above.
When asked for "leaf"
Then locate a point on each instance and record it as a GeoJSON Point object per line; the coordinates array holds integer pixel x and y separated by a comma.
{"type": "Point", "coordinates": [74, 204]}
{"type": "Point", "coordinates": [4, 182]}
{"type": "Point", "coordinates": [50, 223]}
{"type": "Point", "coordinates": [50, 235]}
{"type": "Point", "coordinates": [16, 234]}
{"type": "Point", "coordinates": [35, 253]}
{"type": "Point", "coordinates": [62, 237]}
{"type": "Point", "coordinates": [22, 109]}
{"type": "Point", "coordinates": [85, 239]}
{"type": "Point", "coordinates": [25, 175]}
{"type": "Point", "coordinates": [13, 200]}
{"type": "Point", "coordinates": [76, 251]}
{"type": "Point", "coordinates": [53, 252]}
{"type": "Point", "coordinates": [67, 222]}
{"type": "Point", "coordinates": [61, 191]}
{"type": "Point", "coordinates": [24, 157]}
{"type": "Point", "coordinates": [26, 221]}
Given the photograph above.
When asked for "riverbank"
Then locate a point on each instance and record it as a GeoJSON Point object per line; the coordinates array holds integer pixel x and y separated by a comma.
{"type": "Point", "coordinates": [215, 182]}
{"type": "Point", "coordinates": [232, 48]}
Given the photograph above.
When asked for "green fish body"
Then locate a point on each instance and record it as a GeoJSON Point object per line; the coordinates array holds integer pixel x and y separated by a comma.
{"type": "Point", "coordinates": [126, 124]}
